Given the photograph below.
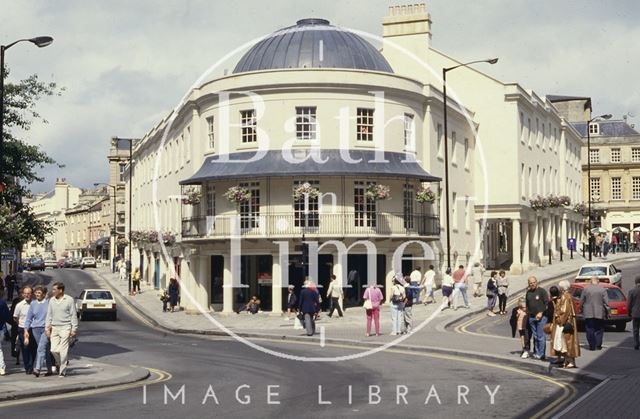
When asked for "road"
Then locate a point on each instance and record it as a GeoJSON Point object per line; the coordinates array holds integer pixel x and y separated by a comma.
{"type": "Point", "coordinates": [620, 341]}
{"type": "Point", "coordinates": [239, 378]}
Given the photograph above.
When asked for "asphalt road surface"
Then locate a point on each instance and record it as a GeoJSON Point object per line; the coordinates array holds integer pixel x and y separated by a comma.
{"type": "Point", "coordinates": [224, 378]}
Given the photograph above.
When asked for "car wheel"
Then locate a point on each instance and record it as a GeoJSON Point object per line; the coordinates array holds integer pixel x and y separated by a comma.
{"type": "Point", "coordinates": [621, 326]}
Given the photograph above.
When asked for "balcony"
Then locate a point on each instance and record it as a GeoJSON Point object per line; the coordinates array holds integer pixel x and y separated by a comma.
{"type": "Point", "coordinates": [383, 225]}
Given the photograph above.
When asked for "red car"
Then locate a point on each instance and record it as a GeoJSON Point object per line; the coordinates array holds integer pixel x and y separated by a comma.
{"type": "Point", "coordinates": [617, 302]}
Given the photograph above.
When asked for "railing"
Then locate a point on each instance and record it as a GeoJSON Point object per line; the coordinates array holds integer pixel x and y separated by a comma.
{"type": "Point", "coordinates": [317, 225]}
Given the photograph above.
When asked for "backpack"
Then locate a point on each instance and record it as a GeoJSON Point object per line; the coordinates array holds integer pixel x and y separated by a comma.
{"type": "Point", "coordinates": [396, 297]}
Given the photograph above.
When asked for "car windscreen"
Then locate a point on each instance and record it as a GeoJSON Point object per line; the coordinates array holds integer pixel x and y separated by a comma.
{"type": "Point", "coordinates": [593, 271]}
{"type": "Point", "coordinates": [98, 295]}
{"type": "Point", "coordinates": [615, 294]}
{"type": "Point", "coordinates": [576, 292]}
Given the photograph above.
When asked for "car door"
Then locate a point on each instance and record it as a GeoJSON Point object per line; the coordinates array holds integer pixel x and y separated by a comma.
{"type": "Point", "coordinates": [616, 277]}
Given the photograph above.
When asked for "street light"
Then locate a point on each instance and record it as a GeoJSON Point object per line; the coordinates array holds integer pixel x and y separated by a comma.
{"type": "Point", "coordinates": [605, 116]}
{"type": "Point", "coordinates": [115, 212]}
{"type": "Point", "coordinates": [40, 42]}
{"type": "Point", "coordinates": [446, 147]}
{"type": "Point", "coordinates": [123, 163]}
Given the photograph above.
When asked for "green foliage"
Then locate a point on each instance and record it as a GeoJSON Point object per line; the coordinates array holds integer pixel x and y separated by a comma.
{"type": "Point", "coordinates": [18, 223]}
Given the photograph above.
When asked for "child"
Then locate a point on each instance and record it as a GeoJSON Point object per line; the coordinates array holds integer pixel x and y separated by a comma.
{"type": "Point", "coordinates": [519, 323]}
{"type": "Point", "coordinates": [165, 299]}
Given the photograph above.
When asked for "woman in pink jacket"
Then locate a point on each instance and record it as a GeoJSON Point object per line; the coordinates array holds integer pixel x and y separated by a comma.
{"type": "Point", "coordinates": [373, 297]}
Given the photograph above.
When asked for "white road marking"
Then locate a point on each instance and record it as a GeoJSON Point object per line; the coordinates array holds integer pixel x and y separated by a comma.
{"type": "Point", "coordinates": [322, 336]}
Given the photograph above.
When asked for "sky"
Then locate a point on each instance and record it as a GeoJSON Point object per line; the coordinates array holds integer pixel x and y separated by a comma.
{"type": "Point", "coordinates": [125, 64]}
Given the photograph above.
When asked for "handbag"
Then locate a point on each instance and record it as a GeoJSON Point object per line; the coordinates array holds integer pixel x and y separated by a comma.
{"type": "Point", "coordinates": [491, 293]}
{"type": "Point", "coordinates": [548, 328]}
{"type": "Point", "coordinates": [568, 327]}
{"type": "Point", "coordinates": [368, 305]}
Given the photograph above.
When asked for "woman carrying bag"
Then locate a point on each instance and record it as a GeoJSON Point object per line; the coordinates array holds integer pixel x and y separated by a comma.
{"type": "Point", "coordinates": [564, 334]}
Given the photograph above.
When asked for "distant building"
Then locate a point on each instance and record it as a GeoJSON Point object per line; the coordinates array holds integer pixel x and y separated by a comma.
{"type": "Point", "coordinates": [51, 207]}
{"type": "Point", "coordinates": [86, 234]}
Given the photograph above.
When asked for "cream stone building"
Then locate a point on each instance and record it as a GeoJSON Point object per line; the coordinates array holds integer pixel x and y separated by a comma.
{"type": "Point", "coordinates": [524, 148]}
{"type": "Point", "coordinates": [317, 106]}
{"type": "Point", "coordinates": [85, 233]}
{"type": "Point", "coordinates": [51, 207]}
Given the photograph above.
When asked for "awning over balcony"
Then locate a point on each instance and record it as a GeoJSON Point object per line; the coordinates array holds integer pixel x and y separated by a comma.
{"type": "Point", "coordinates": [364, 163]}
{"type": "Point", "coordinates": [99, 243]}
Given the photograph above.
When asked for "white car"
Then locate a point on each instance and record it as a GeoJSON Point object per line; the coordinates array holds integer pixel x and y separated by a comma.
{"type": "Point", "coordinates": [606, 272]}
{"type": "Point", "coordinates": [50, 263]}
{"type": "Point", "coordinates": [96, 301]}
{"type": "Point", "coordinates": [88, 262]}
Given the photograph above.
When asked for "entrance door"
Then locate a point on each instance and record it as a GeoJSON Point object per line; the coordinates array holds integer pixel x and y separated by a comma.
{"type": "Point", "coordinates": [217, 272]}
{"type": "Point", "coordinates": [156, 273]}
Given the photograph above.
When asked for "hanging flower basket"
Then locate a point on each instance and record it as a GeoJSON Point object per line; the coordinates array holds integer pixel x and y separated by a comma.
{"type": "Point", "coordinates": [581, 209]}
{"type": "Point", "coordinates": [305, 190]}
{"type": "Point", "coordinates": [168, 238]}
{"type": "Point", "coordinates": [237, 194]}
{"type": "Point", "coordinates": [378, 192]}
{"type": "Point", "coordinates": [565, 200]}
{"type": "Point", "coordinates": [191, 196]}
{"type": "Point", "coordinates": [554, 201]}
{"type": "Point", "coordinates": [425, 195]}
{"type": "Point", "coordinates": [539, 203]}
{"type": "Point", "coordinates": [122, 242]}
{"type": "Point", "coordinates": [152, 236]}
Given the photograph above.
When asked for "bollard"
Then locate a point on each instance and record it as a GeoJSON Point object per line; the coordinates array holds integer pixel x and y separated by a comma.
{"type": "Point", "coordinates": [572, 253]}
{"type": "Point", "coordinates": [561, 254]}
{"type": "Point", "coordinates": [549, 256]}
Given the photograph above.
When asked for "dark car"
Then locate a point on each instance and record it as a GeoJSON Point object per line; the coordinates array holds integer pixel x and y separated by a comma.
{"type": "Point", "coordinates": [617, 302]}
{"type": "Point", "coordinates": [36, 264]}
{"type": "Point", "coordinates": [74, 262]}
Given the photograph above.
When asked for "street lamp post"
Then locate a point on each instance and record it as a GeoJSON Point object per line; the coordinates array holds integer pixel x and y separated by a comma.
{"type": "Point", "coordinates": [40, 42]}
{"type": "Point", "coordinates": [123, 163]}
{"type": "Point", "coordinates": [115, 222]}
{"type": "Point", "coordinates": [605, 116]}
{"type": "Point", "coordinates": [446, 147]}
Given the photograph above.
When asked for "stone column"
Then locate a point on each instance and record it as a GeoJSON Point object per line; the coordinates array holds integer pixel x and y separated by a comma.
{"type": "Point", "coordinates": [555, 231]}
{"type": "Point", "coordinates": [565, 234]}
{"type": "Point", "coordinates": [388, 281]}
{"type": "Point", "coordinates": [341, 277]}
{"type": "Point", "coordinates": [479, 238]}
{"type": "Point", "coordinates": [227, 284]}
{"type": "Point", "coordinates": [526, 239]}
{"type": "Point", "coordinates": [541, 240]}
{"type": "Point", "coordinates": [516, 266]}
{"type": "Point", "coordinates": [276, 285]}
{"type": "Point", "coordinates": [203, 281]}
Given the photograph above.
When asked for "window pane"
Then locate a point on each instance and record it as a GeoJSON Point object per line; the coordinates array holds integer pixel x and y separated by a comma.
{"type": "Point", "coordinates": [306, 123]}
{"type": "Point", "coordinates": [364, 124]}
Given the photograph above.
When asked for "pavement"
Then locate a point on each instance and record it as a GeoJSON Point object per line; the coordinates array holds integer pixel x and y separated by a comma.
{"type": "Point", "coordinates": [434, 330]}
{"type": "Point", "coordinates": [82, 374]}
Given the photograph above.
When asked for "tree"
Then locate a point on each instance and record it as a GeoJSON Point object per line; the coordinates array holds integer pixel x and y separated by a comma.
{"type": "Point", "coordinates": [18, 223]}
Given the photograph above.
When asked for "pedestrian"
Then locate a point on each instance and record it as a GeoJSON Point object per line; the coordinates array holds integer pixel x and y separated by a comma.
{"type": "Point", "coordinates": [5, 316]}
{"type": "Point", "coordinates": [26, 348]}
{"type": "Point", "coordinates": [309, 306]}
{"type": "Point", "coordinates": [164, 297]}
{"type": "Point", "coordinates": [10, 282]}
{"type": "Point", "coordinates": [503, 292]}
{"type": "Point", "coordinates": [476, 272]}
{"type": "Point", "coordinates": [122, 268]}
{"type": "Point", "coordinates": [135, 280]}
{"type": "Point", "coordinates": [292, 303]}
{"type": "Point", "coordinates": [536, 298]}
{"type": "Point", "coordinates": [397, 304]}
{"type": "Point", "coordinates": [334, 293]}
{"type": "Point", "coordinates": [492, 293]}
{"type": "Point", "coordinates": [519, 324]}
{"type": "Point", "coordinates": [34, 330]}
{"type": "Point", "coordinates": [415, 278]}
{"type": "Point", "coordinates": [564, 338]}
{"type": "Point", "coordinates": [614, 244]}
{"type": "Point", "coordinates": [633, 308]}
{"type": "Point", "coordinates": [447, 289]}
{"type": "Point", "coordinates": [372, 297]}
{"type": "Point", "coordinates": [407, 310]}
{"type": "Point", "coordinates": [554, 295]}
{"type": "Point", "coordinates": [61, 325]}
{"type": "Point", "coordinates": [594, 303]}
{"type": "Point", "coordinates": [427, 286]}
{"type": "Point", "coordinates": [15, 350]}
{"type": "Point", "coordinates": [460, 279]}
{"type": "Point", "coordinates": [173, 294]}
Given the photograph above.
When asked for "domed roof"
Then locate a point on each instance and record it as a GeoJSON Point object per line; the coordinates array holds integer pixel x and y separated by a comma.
{"type": "Point", "coordinates": [313, 43]}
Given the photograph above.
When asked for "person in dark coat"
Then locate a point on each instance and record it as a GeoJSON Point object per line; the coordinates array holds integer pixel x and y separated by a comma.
{"type": "Point", "coordinates": [594, 303]}
{"type": "Point", "coordinates": [292, 302]}
{"type": "Point", "coordinates": [173, 294]}
{"type": "Point", "coordinates": [309, 306]}
{"type": "Point", "coordinates": [633, 308]}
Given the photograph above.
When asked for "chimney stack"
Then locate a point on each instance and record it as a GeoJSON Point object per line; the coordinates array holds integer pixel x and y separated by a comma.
{"type": "Point", "coordinates": [408, 20]}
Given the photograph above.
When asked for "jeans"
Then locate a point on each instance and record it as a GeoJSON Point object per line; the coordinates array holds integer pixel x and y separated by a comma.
{"type": "Point", "coordinates": [491, 302]}
{"type": "Point", "coordinates": [335, 304]}
{"type": "Point", "coordinates": [539, 338]}
{"type": "Point", "coordinates": [636, 331]}
{"type": "Point", "coordinates": [2, 364]}
{"type": "Point", "coordinates": [502, 302]}
{"type": "Point", "coordinates": [310, 323]}
{"type": "Point", "coordinates": [42, 341]}
{"type": "Point", "coordinates": [373, 314]}
{"type": "Point", "coordinates": [595, 332]}
{"type": "Point", "coordinates": [460, 289]}
{"type": "Point", "coordinates": [397, 318]}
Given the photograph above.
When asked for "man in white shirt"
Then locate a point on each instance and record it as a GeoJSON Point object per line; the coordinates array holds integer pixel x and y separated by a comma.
{"type": "Point", "coordinates": [19, 316]}
{"type": "Point", "coordinates": [476, 272]}
{"type": "Point", "coordinates": [426, 286]}
{"type": "Point", "coordinates": [414, 281]}
{"type": "Point", "coordinates": [334, 292]}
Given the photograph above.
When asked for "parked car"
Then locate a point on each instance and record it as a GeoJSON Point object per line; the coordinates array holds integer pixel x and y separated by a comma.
{"type": "Point", "coordinates": [50, 263]}
{"type": "Point", "coordinates": [617, 301]}
{"type": "Point", "coordinates": [88, 262]}
{"type": "Point", "coordinates": [74, 262]}
{"type": "Point", "coordinates": [35, 264]}
{"type": "Point", "coordinates": [96, 301]}
{"type": "Point", "coordinates": [606, 272]}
